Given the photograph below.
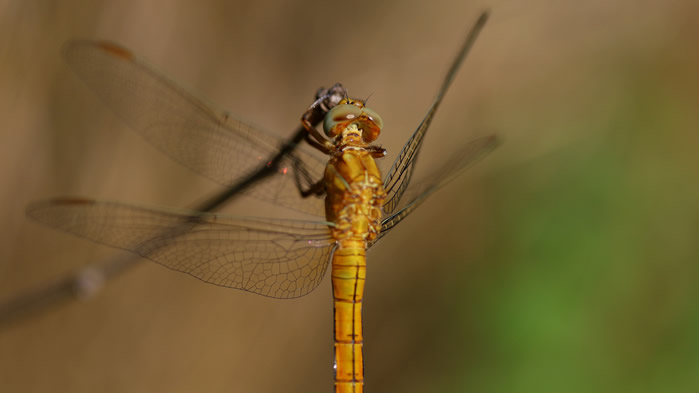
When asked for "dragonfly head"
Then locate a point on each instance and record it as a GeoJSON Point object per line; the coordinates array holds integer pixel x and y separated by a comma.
{"type": "Point", "coordinates": [350, 112]}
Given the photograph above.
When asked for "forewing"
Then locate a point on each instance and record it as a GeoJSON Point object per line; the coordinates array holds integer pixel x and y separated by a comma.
{"type": "Point", "coordinates": [275, 258]}
{"type": "Point", "coordinates": [398, 178]}
{"type": "Point", "coordinates": [207, 141]}
{"type": "Point", "coordinates": [461, 159]}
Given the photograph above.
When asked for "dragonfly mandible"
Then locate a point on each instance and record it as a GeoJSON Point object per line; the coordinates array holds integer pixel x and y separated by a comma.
{"type": "Point", "coordinates": [279, 258]}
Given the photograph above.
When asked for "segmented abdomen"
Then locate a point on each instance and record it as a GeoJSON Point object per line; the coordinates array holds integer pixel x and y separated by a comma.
{"type": "Point", "coordinates": [348, 277]}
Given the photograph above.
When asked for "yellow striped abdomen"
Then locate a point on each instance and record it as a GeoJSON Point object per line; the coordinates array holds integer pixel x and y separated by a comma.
{"type": "Point", "coordinates": [348, 276]}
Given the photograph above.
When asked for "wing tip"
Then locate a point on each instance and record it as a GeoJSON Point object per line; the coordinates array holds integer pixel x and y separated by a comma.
{"type": "Point", "coordinates": [114, 49]}
{"type": "Point", "coordinates": [108, 47]}
{"type": "Point", "coordinates": [483, 17]}
{"type": "Point", "coordinates": [34, 208]}
{"type": "Point", "coordinates": [493, 140]}
{"type": "Point", "coordinates": [72, 201]}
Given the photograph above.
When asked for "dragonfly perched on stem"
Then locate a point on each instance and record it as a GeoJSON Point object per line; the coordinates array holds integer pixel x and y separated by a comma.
{"type": "Point", "coordinates": [279, 258]}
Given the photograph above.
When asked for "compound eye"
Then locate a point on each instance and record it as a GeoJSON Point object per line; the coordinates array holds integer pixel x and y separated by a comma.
{"type": "Point", "coordinates": [339, 115]}
{"type": "Point", "coordinates": [373, 116]}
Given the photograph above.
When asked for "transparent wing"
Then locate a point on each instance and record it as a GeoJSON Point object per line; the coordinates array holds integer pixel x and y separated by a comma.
{"type": "Point", "coordinates": [464, 157]}
{"type": "Point", "coordinates": [275, 258]}
{"type": "Point", "coordinates": [398, 178]}
{"type": "Point", "coordinates": [208, 142]}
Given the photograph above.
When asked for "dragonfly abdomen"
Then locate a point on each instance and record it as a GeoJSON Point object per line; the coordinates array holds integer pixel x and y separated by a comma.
{"type": "Point", "coordinates": [348, 277]}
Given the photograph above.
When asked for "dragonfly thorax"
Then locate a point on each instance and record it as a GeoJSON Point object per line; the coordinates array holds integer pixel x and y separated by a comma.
{"type": "Point", "coordinates": [354, 195]}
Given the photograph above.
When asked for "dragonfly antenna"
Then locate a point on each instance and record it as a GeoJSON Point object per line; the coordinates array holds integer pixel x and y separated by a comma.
{"type": "Point", "coordinates": [367, 97]}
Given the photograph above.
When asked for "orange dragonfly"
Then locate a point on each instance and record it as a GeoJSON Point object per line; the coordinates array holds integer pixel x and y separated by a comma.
{"type": "Point", "coordinates": [279, 258]}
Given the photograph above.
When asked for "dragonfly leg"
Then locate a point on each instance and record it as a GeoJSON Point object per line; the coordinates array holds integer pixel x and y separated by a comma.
{"type": "Point", "coordinates": [314, 137]}
{"type": "Point", "coordinates": [377, 151]}
{"type": "Point", "coordinates": [318, 145]}
{"type": "Point", "coordinates": [317, 188]}
{"type": "Point", "coordinates": [303, 178]}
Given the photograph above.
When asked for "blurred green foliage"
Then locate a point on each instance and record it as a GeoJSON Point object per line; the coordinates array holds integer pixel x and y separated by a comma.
{"type": "Point", "coordinates": [591, 279]}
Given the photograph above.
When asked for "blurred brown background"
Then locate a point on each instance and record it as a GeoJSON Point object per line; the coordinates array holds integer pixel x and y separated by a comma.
{"type": "Point", "coordinates": [564, 262]}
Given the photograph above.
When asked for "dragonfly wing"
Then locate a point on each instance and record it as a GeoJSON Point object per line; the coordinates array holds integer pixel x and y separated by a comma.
{"type": "Point", "coordinates": [398, 178]}
{"type": "Point", "coordinates": [275, 258]}
{"type": "Point", "coordinates": [464, 157]}
{"type": "Point", "coordinates": [207, 141]}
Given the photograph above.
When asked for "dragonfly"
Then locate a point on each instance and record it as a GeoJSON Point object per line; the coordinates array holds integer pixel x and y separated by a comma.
{"type": "Point", "coordinates": [275, 257]}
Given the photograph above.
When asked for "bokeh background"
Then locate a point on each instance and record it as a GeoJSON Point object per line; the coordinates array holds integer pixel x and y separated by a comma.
{"type": "Point", "coordinates": [564, 262]}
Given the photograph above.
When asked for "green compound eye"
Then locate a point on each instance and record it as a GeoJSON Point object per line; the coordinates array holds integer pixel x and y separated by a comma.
{"type": "Point", "coordinates": [339, 115]}
{"type": "Point", "coordinates": [374, 117]}
{"type": "Point", "coordinates": [342, 115]}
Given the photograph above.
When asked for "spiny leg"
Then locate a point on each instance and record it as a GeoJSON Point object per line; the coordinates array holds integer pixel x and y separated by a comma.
{"type": "Point", "coordinates": [302, 177]}
{"type": "Point", "coordinates": [314, 137]}
{"type": "Point", "coordinates": [377, 151]}
{"type": "Point", "coordinates": [317, 188]}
